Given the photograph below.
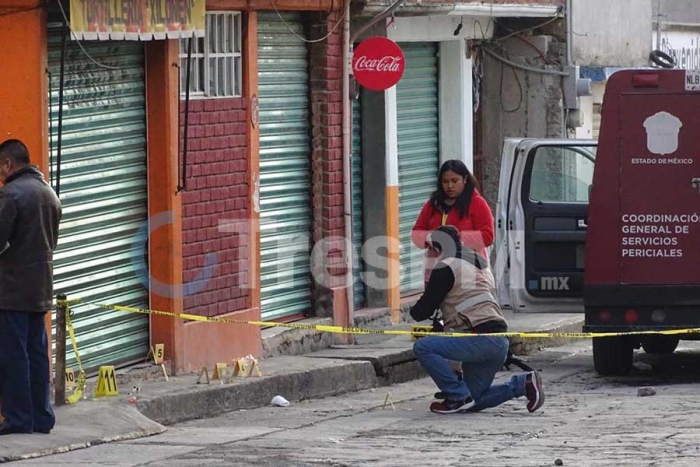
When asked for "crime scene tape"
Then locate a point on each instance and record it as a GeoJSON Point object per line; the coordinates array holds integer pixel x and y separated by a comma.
{"type": "Point", "coordinates": [78, 393]}
{"type": "Point", "coordinates": [391, 332]}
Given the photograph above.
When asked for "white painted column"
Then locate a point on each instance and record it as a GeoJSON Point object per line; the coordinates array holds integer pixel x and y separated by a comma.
{"type": "Point", "coordinates": [456, 106]}
{"type": "Point", "coordinates": [391, 126]}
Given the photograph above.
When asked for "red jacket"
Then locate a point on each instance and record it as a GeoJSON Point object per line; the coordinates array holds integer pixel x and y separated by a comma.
{"type": "Point", "coordinates": [476, 227]}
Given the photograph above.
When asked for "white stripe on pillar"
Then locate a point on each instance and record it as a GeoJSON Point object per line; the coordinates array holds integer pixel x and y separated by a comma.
{"type": "Point", "coordinates": [456, 119]}
{"type": "Point", "coordinates": [392, 141]}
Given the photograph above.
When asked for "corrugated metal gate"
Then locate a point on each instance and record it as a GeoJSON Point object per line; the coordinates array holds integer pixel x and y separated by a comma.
{"type": "Point", "coordinates": [103, 190]}
{"type": "Point", "coordinates": [285, 180]}
{"type": "Point", "coordinates": [357, 226]}
{"type": "Point", "coordinates": [418, 139]}
{"type": "Point", "coordinates": [597, 108]}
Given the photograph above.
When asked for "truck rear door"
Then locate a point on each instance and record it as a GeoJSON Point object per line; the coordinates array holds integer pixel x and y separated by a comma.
{"type": "Point", "coordinates": [659, 195]}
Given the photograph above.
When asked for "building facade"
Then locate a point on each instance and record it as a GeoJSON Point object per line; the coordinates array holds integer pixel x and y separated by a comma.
{"type": "Point", "coordinates": [206, 176]}
{"type": "Point", "coordinates": [601, 47]}
{"type": "Point", "coordinates": [207, 202]}
{"type": "Point", "coordinates": [441, 109]}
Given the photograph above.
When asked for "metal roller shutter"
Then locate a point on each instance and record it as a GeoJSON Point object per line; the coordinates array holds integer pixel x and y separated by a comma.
{"type": "Point", "coordinates": [357, 230]}
{"type": "Point", "coordinates": [596, 120]}
{"type": "Point", "coordinates": [418, 133]}
{"type": "Point", "coordinates": [103, 189]}
{"type": "Point", "coordinates": [285, 181]}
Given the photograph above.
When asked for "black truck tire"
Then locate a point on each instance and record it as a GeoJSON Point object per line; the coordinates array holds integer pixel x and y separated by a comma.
{"type": "Point", "coordinates": [660, 344]}
{"type": "Point", "coordinates": [612, 356]}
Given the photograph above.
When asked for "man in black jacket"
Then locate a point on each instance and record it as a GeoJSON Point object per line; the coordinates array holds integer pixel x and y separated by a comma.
{"type": "Point", "coordinates": [29, 216]}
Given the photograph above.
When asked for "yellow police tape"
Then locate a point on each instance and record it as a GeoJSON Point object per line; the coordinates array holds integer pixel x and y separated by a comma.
{"type": "Point", "coordinates": [78, 392]}
{"type": "Point", "coordinates": [391, 332]}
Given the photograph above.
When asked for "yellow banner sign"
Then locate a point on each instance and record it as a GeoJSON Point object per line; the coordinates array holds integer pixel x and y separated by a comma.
{"type": "Point", "coordinates": [135, 20]}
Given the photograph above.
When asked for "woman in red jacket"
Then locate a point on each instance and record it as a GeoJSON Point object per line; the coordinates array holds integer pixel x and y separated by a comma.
{"type": "Point", "coordinates": [456, 202]}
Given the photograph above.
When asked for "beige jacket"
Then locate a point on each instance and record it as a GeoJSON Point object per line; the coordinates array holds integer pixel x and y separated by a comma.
{"type": "Point", "coordinates": [472, 300]}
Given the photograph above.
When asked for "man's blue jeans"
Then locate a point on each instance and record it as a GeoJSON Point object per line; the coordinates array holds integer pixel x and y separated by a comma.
{"type": "Point", "coordinates": [24, 371]}
{"type": "Point", "coordinates": [481, 356]}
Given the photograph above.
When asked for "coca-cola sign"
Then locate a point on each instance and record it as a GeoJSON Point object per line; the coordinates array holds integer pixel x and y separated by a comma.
{"type": "Point", "coordinates": [378, 63]}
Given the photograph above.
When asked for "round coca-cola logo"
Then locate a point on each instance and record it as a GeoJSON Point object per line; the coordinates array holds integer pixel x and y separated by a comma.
{"type": "Point", "coordinates": [378, 63]}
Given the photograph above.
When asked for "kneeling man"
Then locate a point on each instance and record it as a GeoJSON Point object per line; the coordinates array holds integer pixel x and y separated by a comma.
{"type": "Point", "coordinates": [463, 288]}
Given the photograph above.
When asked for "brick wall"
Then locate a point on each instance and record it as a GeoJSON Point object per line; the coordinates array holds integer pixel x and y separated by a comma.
{"type": "Point", "coordinates": [327, 153]}
{"type": "Point", "coordinates": [217, 190]}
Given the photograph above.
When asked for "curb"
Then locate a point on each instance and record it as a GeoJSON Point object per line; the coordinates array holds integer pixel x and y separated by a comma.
{"type": "Point", "coordinates": [78, 433]}
{"type": "Point", "coordinates": [337, 378]}
{"type": "Point", "coordinates": [295, 342]}
{"type": "Point", "coordinates": [528, 346]}
{"type": "Point", "coordinates": [141, 433]}
{"type": "Point", "coordinates": [391, 366]}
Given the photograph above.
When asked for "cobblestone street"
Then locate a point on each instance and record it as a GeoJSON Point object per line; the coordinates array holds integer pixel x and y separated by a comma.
{"type": "Point", "coordinates": [587, 420]}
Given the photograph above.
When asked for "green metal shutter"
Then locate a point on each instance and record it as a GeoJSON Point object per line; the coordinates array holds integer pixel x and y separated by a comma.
{"type": "Point", "coordinates": [285, 180]}
{"type": "Point", "coordinates": [418, 139]}
{"type": "Point", "coordinates": [357, 230]}
{"type": "Point", "coordinates": [103, 190]}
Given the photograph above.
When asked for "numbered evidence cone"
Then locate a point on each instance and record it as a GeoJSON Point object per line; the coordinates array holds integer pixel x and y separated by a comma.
{"type": "Point", "coordinates": [107, 382]}
{"type": "Point", "coordinates": [279, 401]}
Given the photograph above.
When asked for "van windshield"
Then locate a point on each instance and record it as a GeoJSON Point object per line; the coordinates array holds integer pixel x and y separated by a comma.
{"type": "Point", "coordinates": [562, 174]}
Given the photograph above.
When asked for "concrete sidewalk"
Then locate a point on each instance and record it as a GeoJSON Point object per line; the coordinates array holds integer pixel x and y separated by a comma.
{"type": "Point", "coordinates": [374, 361]}
{"type": "Point", "coordinates": [80, 426]}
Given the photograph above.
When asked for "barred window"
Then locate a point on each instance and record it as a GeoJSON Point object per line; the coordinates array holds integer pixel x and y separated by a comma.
{"type": "Point", "coordinates": [215, 69]}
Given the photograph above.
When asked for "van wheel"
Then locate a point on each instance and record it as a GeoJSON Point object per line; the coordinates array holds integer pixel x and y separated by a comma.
{"type": "Point", "coordinates": [612, 356]}
{"type": "Point", "coordinates": [660, 344]}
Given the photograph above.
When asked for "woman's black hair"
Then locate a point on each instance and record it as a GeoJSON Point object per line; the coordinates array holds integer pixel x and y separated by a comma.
{"type": "Point", "coordinates": [462, 203]}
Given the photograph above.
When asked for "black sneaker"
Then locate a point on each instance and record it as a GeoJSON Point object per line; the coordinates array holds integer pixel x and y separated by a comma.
{"type": "Point", "coordinates": [447, 406]}
{"type": "Point", "coordinates": [10, 430]}
{"type": "Point", "coordinates": [534, 391]}
{"type": "Point", "coordinates": [441, 395]}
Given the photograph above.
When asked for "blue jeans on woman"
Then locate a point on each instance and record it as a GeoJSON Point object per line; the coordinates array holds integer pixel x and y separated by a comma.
{"type": "Point", "coordinates": [482, 357]}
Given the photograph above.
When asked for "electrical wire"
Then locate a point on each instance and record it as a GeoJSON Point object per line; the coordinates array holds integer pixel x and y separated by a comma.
{"type": "Point", "coordinates": [549, 62]}
{"type": "Point", "coordinates": [186, 132]}
{"type": "Point", "coordinates": [303, 39]}
{"type": "Point", "coordinates": [391, 22]}
{"type": "Point", "coordinates": [524, 67]}
{"type": "Point", "coordinates": [481, 28]}
{"type": "Point", "coordinates": [61, 87]}
{"type": "Point", "coordinates": [477, 77]}
{"type": "Point", "coordinates": [48, 72]}
{"type": "Point", "coordinates": [520, 91]}
{"type": "Point", "coordinates": [375, 20]}
{"type": "Point", "coordinates": [75, 37]}
{"type": "Point", "coordinates": [541, 25]}
{"type": "Point", "coordinates": [533, 46]}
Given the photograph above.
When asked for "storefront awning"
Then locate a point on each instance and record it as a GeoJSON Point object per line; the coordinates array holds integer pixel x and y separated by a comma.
{"type": "Point", "coordinates": [136, 20]}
